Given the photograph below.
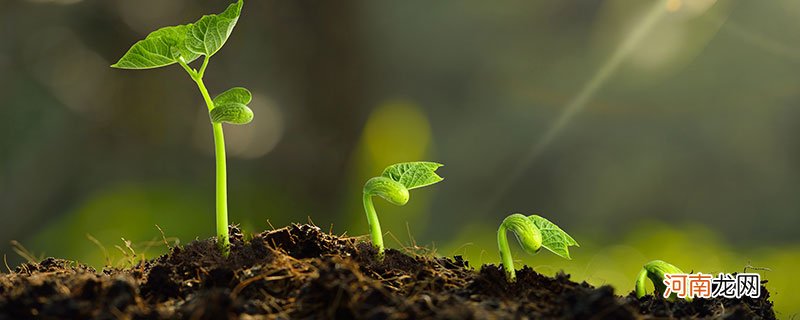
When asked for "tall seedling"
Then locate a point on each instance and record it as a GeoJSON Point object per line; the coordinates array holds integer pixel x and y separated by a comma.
{"type": "Point", "coordinates": [183, 44]}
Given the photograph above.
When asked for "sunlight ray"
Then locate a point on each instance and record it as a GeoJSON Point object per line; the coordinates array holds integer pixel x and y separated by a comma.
{"type": "Point", "coordinates": [578, 103]}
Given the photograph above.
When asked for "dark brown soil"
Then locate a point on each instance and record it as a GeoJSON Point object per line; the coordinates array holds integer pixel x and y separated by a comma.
{"type": "Point", "coordinates": [300, 272]}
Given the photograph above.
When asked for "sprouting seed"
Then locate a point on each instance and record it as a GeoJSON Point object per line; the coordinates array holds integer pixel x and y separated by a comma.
{"type": "Point", "coordinates": [533, 232]}
{"type": "Point", "coordinates": [656, 270]}
{"type": "Point", "coordinates": [393, 185]}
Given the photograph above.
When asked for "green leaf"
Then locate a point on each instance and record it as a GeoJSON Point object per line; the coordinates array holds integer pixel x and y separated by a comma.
{"type": "Point", "coordinates": [208, 35]}
{"type": "Point", "coordinates": [176, 36]}
{"type": "Point", "coordinates": [231, 106]}
{"type": "Point", "coordinates": [413, 175]}
{"type": "Point", "coordinates": [237, 95]}
{"type": "Point", "coordinates": [553, 238]}
{"type": "Point", "coordinates": [160, 48]}
{"type": "Point", "coordinates": [233, 113]}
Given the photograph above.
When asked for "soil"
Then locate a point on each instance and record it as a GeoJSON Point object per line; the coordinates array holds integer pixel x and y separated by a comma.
{"type": "Point", "coordinates": [301, 272]}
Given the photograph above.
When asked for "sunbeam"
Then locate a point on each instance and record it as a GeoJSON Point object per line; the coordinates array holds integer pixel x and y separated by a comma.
{"type": "Point", "coordinates": [578, 103]}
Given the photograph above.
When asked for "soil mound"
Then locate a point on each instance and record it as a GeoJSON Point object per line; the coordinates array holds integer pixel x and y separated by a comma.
{"type": "Point", "coordinates": [301, 272]}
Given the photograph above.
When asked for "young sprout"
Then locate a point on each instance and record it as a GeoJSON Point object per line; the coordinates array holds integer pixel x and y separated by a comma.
{"type": "Point", "coordinates": [655, 270]}
{"type": "Point", "coordinates": [183, 44]}
{"type": "Point", "coordinates": [533, 232]}
{"type": "Point", "coordinates": [393, 185]}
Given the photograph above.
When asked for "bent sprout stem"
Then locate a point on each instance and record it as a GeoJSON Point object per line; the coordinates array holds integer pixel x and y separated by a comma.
{"type": "Point", "coordinates": [392, 191]}
{"type": "Point", "coordinates": [393, 185]}
{"type": "Point", "coordinates": [533, 232]}
{"type": "Point", "coordinates": [528, 235]}
{"type": "Point", "coordinates": [656, 271]}
{"type": "Point", "coordinates": [375, 232]}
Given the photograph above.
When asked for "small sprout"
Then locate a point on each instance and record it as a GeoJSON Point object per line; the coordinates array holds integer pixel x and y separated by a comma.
{"type": "Point", "coordinates": [393, 185]}
{"type": "Point", "coordinates": [182, 45]}
{"type": "Point", "coordinates": [655, 270]}
{"type": "Point", "coordinates": [533, 232]}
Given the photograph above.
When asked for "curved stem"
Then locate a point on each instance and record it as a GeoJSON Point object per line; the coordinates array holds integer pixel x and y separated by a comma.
{"type": "Point", "coordinates": [221, 176]}
{"type": "Point", "coordinates": [374, 225]}
{"type": "Point", "coordinates": [656, 271]}
{"type": "Point", "coordinates": [640, 283]}
{"type": "Point", "coordinates": [505, 253]}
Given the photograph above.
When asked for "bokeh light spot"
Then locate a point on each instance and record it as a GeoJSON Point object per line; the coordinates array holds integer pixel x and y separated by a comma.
{"type": "Point", "coordinates": [397, 131]}
{"type": "Point", "coordinates": [674, 5]}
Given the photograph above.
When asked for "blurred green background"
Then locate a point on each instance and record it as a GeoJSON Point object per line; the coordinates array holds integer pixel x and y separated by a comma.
{"type": "Point", "coordinates": [647, 129]}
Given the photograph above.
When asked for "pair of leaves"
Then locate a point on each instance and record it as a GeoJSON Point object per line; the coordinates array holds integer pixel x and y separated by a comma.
{"type": "Point", "coordinates": [413, 175]}
{"type": "Point", "coordinates": [231, 107]}
{"type": "Point", "coordinates": [169, 45]}
{"type": "Point", "coordinates": [552, 237]}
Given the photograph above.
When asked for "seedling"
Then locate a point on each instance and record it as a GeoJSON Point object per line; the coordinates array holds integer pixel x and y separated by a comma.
{"type": "Point", "coordinates": [393, 185]}
{"type": "Point", "coordinates": [533, 232]}
{"type": "Point", "coordinates": [655, 270]}
{"type": "Point", "coordinates": [183, 44]}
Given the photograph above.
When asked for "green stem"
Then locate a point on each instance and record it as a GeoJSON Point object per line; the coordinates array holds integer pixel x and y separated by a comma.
{"type": "Point", "coordinates": [222, 190]}
{"type": "Point", "coordinates": [505, 253]}
{"type": "Point", "coordinates": [203, 67]}
{"type": "Point", "coordinates": [374, 225]}
{"type": "Point", "coordinates": [204, 92]}
{"type": "Point", "coordinates": [219, 152]}
{"type": "Point", "coordinates": [188, 69]}
{"type": "Point", "coordinates": [640, 283]}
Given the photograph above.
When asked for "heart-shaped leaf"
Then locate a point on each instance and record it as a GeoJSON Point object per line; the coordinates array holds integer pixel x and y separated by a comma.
{"type": "Point", "coordinates": [553, 238]}
{"type": "Point", "coordinates": [413, 175]}
{"type": "Point", "coordinates": [160, 48]}
{"type": "Point", "coordinates": [208, 35]}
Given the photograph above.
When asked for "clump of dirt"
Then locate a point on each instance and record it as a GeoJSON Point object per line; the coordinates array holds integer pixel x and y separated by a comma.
{"type": "Point", "coordinates": [301, 272]}
{"type": "Point", "coordinates": [716, 308]}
